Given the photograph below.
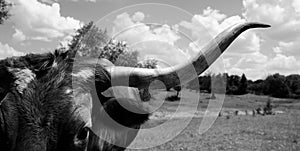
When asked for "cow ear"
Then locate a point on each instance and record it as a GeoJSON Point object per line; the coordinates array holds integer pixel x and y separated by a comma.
{"type": "Point", "coordinates": [6, 81]}
{"type": "Point", "coordinates": [14, 73]}
{"type": "Point", "coordinates": [38, 63]}
{"type": "Point", "coordinates": [22, 77]}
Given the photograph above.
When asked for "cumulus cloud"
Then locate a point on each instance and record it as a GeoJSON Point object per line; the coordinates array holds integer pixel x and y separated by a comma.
{"type": "Point", "coordinates": [255, 53]}
{"type": "Point", "coordinates": [18, 35]}
{"type": "Point", "coordinates": [131, 29]}
{"type": "Point", "coordinates": [34, 20]}
{"type": "Point", "coordinates": [138, 16]}
{"type": "Point", "coordinates": [278, 64]}
{"type": "Point", "coordinates": [161, 52]}
{"type": "Point", "coordinates": [151, 40]}
{"type": "Point", "coordinates": [8, 51]}
{"type": "Point", "coordinates": [283, 63]}
{"type": "Point", "coordinates": [283, 37]}
{"type": "Point", "coordinates": [289, 47]}
{"type": "Point", "coordinates": [245, 52]}
{"type": "Point", "coordinates": [211, 22]}
{"type": "Point", "coordinates": [296, 5]}
{"type": "Point", "coordinates": [284, 17]}
{"type": "Point", "coordinates": [257, 66]}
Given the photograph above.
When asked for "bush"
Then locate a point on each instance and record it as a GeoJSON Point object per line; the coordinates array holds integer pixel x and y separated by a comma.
{"type": "Point", "coordinates": [275, 86]}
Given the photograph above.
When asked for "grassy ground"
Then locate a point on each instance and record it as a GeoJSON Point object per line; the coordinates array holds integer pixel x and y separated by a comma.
{"type": "Point", "coordinates": [270, 132]}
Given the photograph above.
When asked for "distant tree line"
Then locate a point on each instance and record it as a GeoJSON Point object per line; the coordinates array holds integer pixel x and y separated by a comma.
{"type": "Point", "coordinates": [275, 85]}
{"type": "Point", "coordinates": [92, 42]}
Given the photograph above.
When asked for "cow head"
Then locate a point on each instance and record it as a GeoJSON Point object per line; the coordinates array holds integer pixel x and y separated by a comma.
{"type": "Point", "coordinates": [49, 102]}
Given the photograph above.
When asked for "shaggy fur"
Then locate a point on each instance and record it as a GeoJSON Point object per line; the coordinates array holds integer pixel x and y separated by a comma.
{"type": "Point", "coordinates": [48, 113]}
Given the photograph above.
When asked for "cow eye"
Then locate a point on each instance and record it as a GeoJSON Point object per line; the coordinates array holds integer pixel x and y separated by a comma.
{"type": "Point", "coordinates": [83, 134]}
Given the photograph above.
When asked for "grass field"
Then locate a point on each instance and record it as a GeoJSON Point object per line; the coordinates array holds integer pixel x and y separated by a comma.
{"type": "Point", "coordinates": [228, 132]}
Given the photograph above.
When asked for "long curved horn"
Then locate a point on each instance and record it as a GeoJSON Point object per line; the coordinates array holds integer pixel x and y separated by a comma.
{"type": "Point", "coordinates": [141, 78]}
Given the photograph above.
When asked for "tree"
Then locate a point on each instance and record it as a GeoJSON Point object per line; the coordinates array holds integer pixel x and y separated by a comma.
{"type": "Point", "coordinates": [202, 82]}
{"type": "Point", "coordinates": [205, 83]}
{"type": "Point", "coordinates": [89, 40]}
{"type": "Point", "coordinates": [172, 79]}
{"type": "Point", "coordinates": [127, 59]}
{"type": "Point", "coordinates": [243, 84]}
{"type": "Point", "coordinates": [293, 82]}
{"type": "Point", "coordinates": [149, 63]}
{"type": "Point", "coordinates": [256, 87]}
{"type": "Point", "coordinates": [113, 50]}
{"type": "Point", "coordinates": [275, 86]}
{"type": "Point", "coordinates": [4, 10]}
{"type": "Point", "coordinates": [232, 86]}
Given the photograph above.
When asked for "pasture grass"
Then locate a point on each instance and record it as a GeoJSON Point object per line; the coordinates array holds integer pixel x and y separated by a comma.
{"type": "Point", "coordinates": [278, 132]}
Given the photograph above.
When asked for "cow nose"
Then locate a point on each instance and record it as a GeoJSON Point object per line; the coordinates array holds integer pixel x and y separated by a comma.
{"type": "Point", "coordinates": [81, 138]}
{"type": "Point", "coordinates": [83, 134]}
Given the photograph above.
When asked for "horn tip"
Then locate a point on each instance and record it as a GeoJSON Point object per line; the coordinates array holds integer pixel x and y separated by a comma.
{"type": "Point", "coordinates": [258, 25]}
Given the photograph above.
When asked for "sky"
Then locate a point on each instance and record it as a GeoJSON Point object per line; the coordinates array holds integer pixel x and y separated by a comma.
{"type": "Point", "coordinates": [171, 31]}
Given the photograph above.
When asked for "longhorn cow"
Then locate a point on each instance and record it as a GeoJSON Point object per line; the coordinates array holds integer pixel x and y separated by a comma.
{"type": "Point", "coordinates": [49, 103]}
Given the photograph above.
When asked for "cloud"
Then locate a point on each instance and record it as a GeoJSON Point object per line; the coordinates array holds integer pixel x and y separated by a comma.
{"type": "Point", "coordinates": [34, 20]}
{"type": "Point", "coordinates": [161, 51]}
{"type": "Point", "coordinates": [138, 16]}
{"type": "Point", "coordinates": [284, 35]}
{"type": "Point", "coordinates": [160, 41]}
{"type": "Point", "coordinates": [251, 64]}
{"type": "Point", "coordinates": [208, 21]}
{"type": "Point", "coordinates": [284, 17]}
{"type": "Point", "coordinates": [296, 5]}
{"type": "Point", "coordinates": [131, 29]}
{"type": "Point", "coordinates": [8, 51]}
{"type": "Point", "coordinates": [257, 53]}
{"type": "Point", "coordinates": [211, 22]}
{"type": "Point", "coordinates": [151, 40]}
{"type": "Point", "coordinates": [244, 54]}
{"type": "Point", "coordinates": [282, 63]}
{"type": "Point", "coordinates": [18, 35]}
{"type": "Point", "coordinates": [66, 41]}
{"type": "Point", "coordinates": [258, 66]}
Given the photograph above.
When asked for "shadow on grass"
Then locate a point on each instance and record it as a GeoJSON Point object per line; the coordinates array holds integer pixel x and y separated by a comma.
{"type": "Point", "coordinates": [173, 98]}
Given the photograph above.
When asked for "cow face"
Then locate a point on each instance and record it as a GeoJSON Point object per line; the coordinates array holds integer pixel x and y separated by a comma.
{"type": "Point", "coordinates": [54, 109]}
{"type": "Point", "coordinates": [43, 112]}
